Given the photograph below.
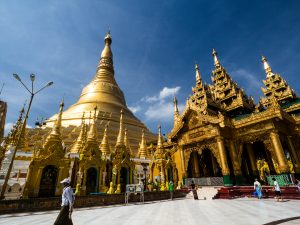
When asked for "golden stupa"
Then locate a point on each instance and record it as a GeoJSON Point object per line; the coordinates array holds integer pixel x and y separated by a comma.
{"type": "Point", "coordinates": [104, 93]}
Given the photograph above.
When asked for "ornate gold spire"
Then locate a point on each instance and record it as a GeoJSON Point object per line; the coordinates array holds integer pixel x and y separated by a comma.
{"type": "Point", "coordinates": [201, 100]}
{"type": "Point", "coordinates": [267, 67]}
{"type": "Point", "coordinates": [198, 76]}
{"type": "Point", "coordinates": [106, 61]}
{"type": "Point", "coordinates": [91, 148]}
{"type": "Point", "coordinates": [275, 87]}
{"type": "Point", "coordinates": [120, 139]}
{"type": "Point", "coordinates": [53, 143]}
{"type": "Point", "coordinates": [55, 134]}
{"type": "Point", "coordinates": [79, 144]}
{"type": "Point", "coordinates": [92, 134]}
{"type": "Point", "coordinates": [160, 140]}
{"type": "Point", "coordinates": [142, 153]}
{"type": "Point", "coordinates": [227, 94]}
{"type": "Point", "coordinates": [56, 130]}
{"type": "Point", "coordinates": [104, 146]}
{"type": "Point", "coordinates": [216, 60]}
{"type": "Point", "coordinates": [126, 142]}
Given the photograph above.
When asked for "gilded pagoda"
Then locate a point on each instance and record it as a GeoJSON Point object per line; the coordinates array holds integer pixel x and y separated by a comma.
{"type": "Point", "coordinates": [94, 142]}
{"type": "Point", "coordinates": [223, 133]}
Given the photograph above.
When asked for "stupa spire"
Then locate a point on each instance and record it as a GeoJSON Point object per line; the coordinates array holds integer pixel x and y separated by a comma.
{"type": "Point", "coordinates": [275, 87]}
{"type": "Point", "coordinates": [104, 146]}
{"type": "Point", "coordinates": [198, 76]}
{"type": "Point", "coordinates": [79, 144]}
{"type": "Point", "coordinates": [216, 60]}
{"type": "Point", "coordinates": [126, 142]}
{"type": "Point", "coordinates": [142, 153]}
{"type": "Point", "coordinates": [56, 130]}
{"type": "Point", "coordinates": [160, 138]}
{"type": "Point", "coordinates": [92, 134]}
{"type": "Point", "coordinates": [54, 138]}
{"type": "Point", "coordinates": [120, 139]}
{"type": "Point", "coordinates": [267, 67]}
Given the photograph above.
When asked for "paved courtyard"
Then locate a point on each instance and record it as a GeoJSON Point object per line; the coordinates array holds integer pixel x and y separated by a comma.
{"type": "Point", "coordinates": [184, 211]}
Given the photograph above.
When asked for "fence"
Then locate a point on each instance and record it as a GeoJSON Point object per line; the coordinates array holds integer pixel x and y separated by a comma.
{"type": "Point", "coordinates": [282, 179]}
{"type": "Point", "coordinates": [205, 181]}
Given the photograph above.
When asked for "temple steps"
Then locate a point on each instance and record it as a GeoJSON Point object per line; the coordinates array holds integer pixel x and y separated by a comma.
{"type": "Point", "coordinates": [290, 192]}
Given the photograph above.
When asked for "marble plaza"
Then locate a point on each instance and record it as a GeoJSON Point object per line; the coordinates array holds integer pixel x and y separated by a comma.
{"type": "Point", "coordinates": [244, 211]}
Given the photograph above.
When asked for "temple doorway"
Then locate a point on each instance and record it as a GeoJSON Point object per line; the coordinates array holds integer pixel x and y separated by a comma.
{"type": "Point", "coordinates": [91, 180]}
{"type": "Point", "coordinates": [256, 162]}
{"type": "Point", "coordinates": [204, 165]}
{"type": "Point", "coordinates": [48, 181]}
{"type": "Point", "coordinates": [124, 178]}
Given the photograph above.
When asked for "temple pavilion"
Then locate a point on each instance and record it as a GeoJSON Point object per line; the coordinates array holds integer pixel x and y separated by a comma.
{"type": "Point", "coordinates": [223, 137]}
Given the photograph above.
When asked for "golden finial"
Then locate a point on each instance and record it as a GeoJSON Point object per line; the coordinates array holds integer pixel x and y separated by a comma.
{"type": "Point", "coordinates": [92, 134]}
{"type": "Point", "coordinates": [79, 144]}
{"type": "Point", "coordinates": [120, 139]}
{"type": "Point", "coordinates": [126, 142]}
{"type": "Point", "coordinates": [216, 61]}
{"type": "Point", "coordinates": [107, 38]}
{"type": "Point", "coordinates": [160, 139]}
{"type": "Point", "coordinates": [143, 147]}
{"type": "Point", "coordinates": [198, 76]}
{"type": "Point", "coordinates": [267, 67]}
{"type": "Point", "coordinates": [104, 146]}
{"type": "Point", "coordinates": [57, 125]}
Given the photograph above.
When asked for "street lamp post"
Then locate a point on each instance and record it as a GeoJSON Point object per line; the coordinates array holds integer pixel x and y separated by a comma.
{"type": "Point", "coordinates": [144, 165]}
{"type": "Point", "coordinates": [32, 94]}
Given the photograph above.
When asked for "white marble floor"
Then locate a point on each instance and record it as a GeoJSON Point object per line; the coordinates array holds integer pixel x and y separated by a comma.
{"type": "Point", "coordinates": [185, 211]}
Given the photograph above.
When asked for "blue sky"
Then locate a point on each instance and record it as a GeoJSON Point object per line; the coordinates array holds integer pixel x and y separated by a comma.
{"type": "Point", "coordinates": [155, 45]}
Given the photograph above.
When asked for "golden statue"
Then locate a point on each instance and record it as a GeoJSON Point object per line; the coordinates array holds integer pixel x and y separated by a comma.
{"type": "Point", "coordinates": [291, 165]}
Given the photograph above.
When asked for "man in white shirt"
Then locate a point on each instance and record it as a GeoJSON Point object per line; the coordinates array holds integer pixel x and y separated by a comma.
{"type": "Point", "coordinates": [258, 189]}
{"type": "Point", "coordinates": [277, 190]}
{"type": "Point", "coordinates": [67, 201]}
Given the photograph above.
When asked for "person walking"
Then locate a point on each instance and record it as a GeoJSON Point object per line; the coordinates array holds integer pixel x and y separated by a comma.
{"type": "Point", "coordinates": [171, 189]}
{"type": "Point", "coordinates": [194, 190]}
{"type": "Point", "coordinates": [67, 201]}
{"type": "Point", "coordinates": [277, 190]}
{"type": "Point", "coordinates": [257, 188]}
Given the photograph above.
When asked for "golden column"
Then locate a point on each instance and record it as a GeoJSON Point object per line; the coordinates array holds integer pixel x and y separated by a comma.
{"type": "Point", "coordinates": [182, 162]}
{"type": "Point", "coordinates": [223, 158]}
{"type": "Point", "coordinates": [252, 159]}
{"type": "Point", "coordinates": [295, 156]}
{"type": "Point", "coordinates": [234, 159]}
{"type": "Point", "coordinates": [283, 165]}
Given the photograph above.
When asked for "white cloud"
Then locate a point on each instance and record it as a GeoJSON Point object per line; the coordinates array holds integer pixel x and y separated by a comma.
{"type": "Point", "coordinates": [162, 111]}
{"type": "Point", "coordinates": [164, 93]}
{"type": "Point", "coordinates": [134, 109]}
{"type": "Point", "coordinates": [161, 108]}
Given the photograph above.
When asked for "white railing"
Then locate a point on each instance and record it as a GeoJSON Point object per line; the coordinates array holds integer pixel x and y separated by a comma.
{"type": "Point", "coordinates": [134, 189]}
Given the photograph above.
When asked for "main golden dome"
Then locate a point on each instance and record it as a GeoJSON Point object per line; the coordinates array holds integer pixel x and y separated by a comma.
{"type": "Point", "coordinates": [104, 93]}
